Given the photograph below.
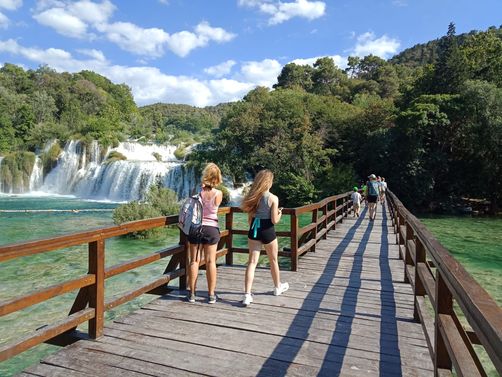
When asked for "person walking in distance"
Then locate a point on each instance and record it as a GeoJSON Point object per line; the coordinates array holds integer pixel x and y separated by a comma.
{"type": "Point", "coordinates": [210, 234]}
{"type": "Point", "coordinates": [373, 192]}
{"type": "Point", "coordinates": [356, 201]}
{"type": "Point", "coordinates": [263, 212]}
{"type": "Point", "coordinates": [383, 189]}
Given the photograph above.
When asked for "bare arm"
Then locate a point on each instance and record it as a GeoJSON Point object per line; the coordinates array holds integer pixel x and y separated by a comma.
{"type": "Point", "coordinates": [218, 198]}
{"type": "Point", "coordinates": [275, 212]}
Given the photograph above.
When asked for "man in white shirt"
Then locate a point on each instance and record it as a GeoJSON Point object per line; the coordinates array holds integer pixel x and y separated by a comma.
{"type": "Point", "coordinates": [383, 189]}
{"type": "Point", "coordinates": [356, 201]}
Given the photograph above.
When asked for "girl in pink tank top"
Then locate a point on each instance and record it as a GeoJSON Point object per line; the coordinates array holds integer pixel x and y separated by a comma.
{"type": "Point", "coordinates": [210, 236]}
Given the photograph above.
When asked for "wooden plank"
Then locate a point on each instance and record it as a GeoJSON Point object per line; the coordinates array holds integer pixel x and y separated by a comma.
{"type": "Point", "coordinates": [123, 298]}
{"type": "Point", "coordinates": [142, 260]}
{"type": "Point", "coordinates": [428, 282]}
{"type": "Point", "coordinates": [43, 334]}
{"type": "Point", "coordinates": [30, 299]}
{"type": "Point", "coordinates": [461, 358]}
{"type": "Point", "coordinates": [306, 247]}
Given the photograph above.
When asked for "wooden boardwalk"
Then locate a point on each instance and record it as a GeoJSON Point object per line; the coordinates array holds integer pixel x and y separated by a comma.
{"type": "Point", "coordinates": [347, 313]}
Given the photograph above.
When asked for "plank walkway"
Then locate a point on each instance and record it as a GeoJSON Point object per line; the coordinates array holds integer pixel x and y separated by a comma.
{"type": "Point", "coordinates": [347, 313]}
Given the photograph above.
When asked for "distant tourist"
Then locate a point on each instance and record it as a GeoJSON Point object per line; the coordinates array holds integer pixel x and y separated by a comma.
{"type": "Point", "coordinates": [356, 201]}
{"type": "Point", "coordinates": [364, 188]}
{"type": "Point", "coordinates": [210, 236]}
{"type": "Point", "coordinates": [373, 192]}
{"type": "Point", "coordinates": [263, 212]}
{"type": "Point", "coordinates": [383, 189]}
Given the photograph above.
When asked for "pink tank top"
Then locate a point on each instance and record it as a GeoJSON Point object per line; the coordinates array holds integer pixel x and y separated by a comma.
{"type": "Point", "coordinates": [209, 208]}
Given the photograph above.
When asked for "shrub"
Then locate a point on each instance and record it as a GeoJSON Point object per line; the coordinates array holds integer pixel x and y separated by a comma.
{"type": "Point", "coordinates": [160, 201]}
{"type": "Point", "coordinates": [50, 158]}
{"type": "Point", "coordinates": [115, 156]}
{"type": "Point", "coordinates": [180, 152]}
{"type": "Point", "coordinates": [136, 211]}
{"type": "Point", "coordinates": [226, 195]}
{"type": "Point", "coordinates": [163, 199]}
{"type": "Point", "coordinates": [157, 156]}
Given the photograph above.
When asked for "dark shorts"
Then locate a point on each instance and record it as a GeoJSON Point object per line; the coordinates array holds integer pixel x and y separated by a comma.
{"type": "Point", "coordinates": [265, 233]}
{"type": "Point", "coordinates": [372, 198]}
{"type": "Point", "coordinates": [210, 235]}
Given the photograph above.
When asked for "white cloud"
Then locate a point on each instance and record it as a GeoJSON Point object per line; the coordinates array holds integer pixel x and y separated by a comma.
{"type": "Point", "coordinates": [263, 73]}
{"type": "Point", "coordinates": [63, 22]}
{"type": "Point", "coordinates": [11, 4]}
{"type": "Point", "coordinates": [217, 34]}
{"type": "Point", "coordinates": [4, 21]}
{"type": "Point", "coordinates": [183, 42]}
{"type": "Point", "coordinates": [95, 54]}
{"type": "Point", "coordinates": [221, 69]}
{"type": "Point", "coordinates": [135, 39]}
{"type": "Point", "coordinates": [149, 84]}
{"type": "Point", "coordinates": [74, 19]}
{"type": "Point", "coordinates": [383, 47]}
{"type": "Point", "coordinates": [340, 61]}
{"type": "Point", "coordinates": [93, 13]}
{"type": "Point", "coordinates": [280, 12]}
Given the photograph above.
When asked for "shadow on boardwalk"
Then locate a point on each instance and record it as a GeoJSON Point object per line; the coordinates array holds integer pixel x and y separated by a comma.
{"type": "Point", "coordinates": [390, 363]}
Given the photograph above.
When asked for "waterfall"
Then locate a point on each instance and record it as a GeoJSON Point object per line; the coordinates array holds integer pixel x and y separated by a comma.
{"type": "Point", "coordinates": [80, 171]}
{"type": "Point", "coordinates": [37, 175]}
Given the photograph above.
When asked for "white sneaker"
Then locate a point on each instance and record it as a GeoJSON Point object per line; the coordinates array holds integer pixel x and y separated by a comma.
{"type": "Point", "coordinates": [247, 300]}
{"type": "Point", "coordinates": [281, 289]}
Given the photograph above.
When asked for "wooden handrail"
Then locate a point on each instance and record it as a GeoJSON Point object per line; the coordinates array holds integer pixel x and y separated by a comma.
{"type": "Point", "coordinates": [90, 304]}
{"type": "Point", "coordinates": [452, 345]}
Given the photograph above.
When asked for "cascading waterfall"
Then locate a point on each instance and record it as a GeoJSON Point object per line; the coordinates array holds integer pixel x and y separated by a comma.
{"type": "Point", "coordinates": [81, 172]}
{"type": "Point", "coordinates": [37, 175]}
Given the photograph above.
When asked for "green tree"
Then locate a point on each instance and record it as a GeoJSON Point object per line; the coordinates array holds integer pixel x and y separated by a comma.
{"type": "Point", "coordinates": [451, 68]}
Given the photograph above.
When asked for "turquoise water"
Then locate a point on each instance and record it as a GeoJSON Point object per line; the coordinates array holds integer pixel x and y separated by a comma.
{"type": "Point", "coordinates": [475, 242]}
{"type": "Point", "coordinates": [28, 274]}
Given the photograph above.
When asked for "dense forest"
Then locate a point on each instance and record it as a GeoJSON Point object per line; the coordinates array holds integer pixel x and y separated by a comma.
{"type": "Point", "coordinates": [429, 120]}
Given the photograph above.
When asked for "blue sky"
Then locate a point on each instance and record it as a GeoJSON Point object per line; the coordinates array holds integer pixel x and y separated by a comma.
{"type": "Point", "coordinates": [203, 52]}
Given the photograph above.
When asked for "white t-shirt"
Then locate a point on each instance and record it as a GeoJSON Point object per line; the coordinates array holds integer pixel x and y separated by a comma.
{"type": "Point", "coordinates": [356, 197]}
{"type": "Point", "coordinates": [384, 186]}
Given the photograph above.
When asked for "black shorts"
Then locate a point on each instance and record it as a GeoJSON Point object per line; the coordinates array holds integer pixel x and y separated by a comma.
{"type": "Point", "coordinates": [265, 232]}
{"type": "Point", "coordinates": [372, 198]}
{"type": "Point", "coordinates": [210, 235]}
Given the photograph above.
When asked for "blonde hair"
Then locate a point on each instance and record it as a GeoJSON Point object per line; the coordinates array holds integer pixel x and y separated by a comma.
{"type": "Point", "coordinates": [262, 182]}
{"type": "Point", "coordinates": [211, 175]}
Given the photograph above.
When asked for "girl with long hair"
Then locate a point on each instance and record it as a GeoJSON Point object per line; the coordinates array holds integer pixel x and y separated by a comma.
{"type": "Point", "coordinates": [210, 236]}
{"type": "Point", "coordinates": [263, 212]}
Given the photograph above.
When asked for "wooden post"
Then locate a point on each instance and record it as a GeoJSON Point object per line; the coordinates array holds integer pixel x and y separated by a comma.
{"type": "Point", "coordinates": [335, 215]}
{"type": "Point", "coordinates": [183, 261]}
{"type": "Point", "coordinates": [408, 260]}
{"type": "Point", "coordinates": [97, 290]}
{"type": "Point", "coordinates": [229, 258]}
{"type": "Point", "coordinates": [314, 220]}
{"type": "Point", "coordinates": [346, 202]}
{"type": "Point", "coordinates": [325, 226]}
{"type": "Point", "coordinates": [419, 289]}
{"type": "Point", "coordinates": [444, 305]}
{"type": "Point", "coordinates": [294, 242]}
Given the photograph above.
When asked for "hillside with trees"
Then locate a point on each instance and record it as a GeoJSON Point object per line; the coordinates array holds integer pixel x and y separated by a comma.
{"type": "Point", "coordinates": [429, 120]}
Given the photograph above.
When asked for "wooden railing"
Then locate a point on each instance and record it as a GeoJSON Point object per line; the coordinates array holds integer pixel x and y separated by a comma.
{"type": "Point", "coordinates": [440, 281]}
{"type": "Point", "coordinates": [90, 303]}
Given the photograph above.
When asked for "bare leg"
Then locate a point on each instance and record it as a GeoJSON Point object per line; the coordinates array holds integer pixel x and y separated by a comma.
{"type": "Point", "coordinates": [254, 256]}
{"type": "Point", "coordinates": [210, 257]}
{"type": "Point", "coordinates": [193, 267]}
{"type": "Point", "coordinates": [272, 249]}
